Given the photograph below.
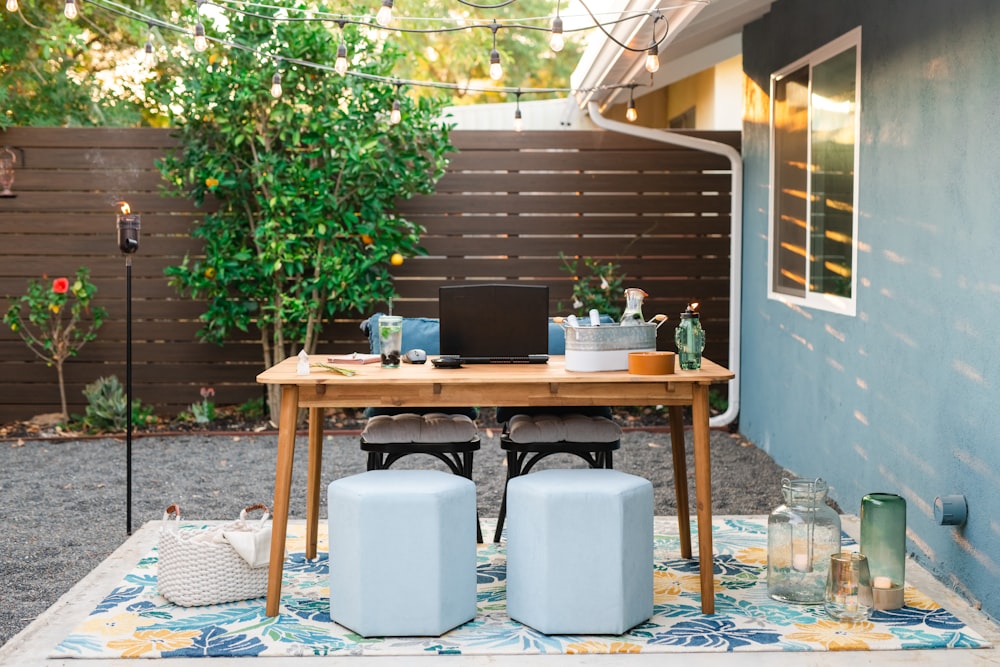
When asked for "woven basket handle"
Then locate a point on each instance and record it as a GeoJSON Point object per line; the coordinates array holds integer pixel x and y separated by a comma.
{"type": "Point", "coordinates": [256, 506]}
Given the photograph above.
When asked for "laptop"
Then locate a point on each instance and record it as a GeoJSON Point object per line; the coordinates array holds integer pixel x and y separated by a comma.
{"type": "Point", "coordinates": [494, 323]}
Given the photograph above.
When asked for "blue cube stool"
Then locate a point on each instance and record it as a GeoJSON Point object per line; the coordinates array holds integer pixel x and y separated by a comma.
{"type": "Point", "coordinates": [402, 552]}
{"type": "Point", "coordinates": [580, 551]}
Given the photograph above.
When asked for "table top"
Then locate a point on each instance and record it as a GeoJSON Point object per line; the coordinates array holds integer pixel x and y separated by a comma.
{"type": "Point", "coordinates": [486, 384]}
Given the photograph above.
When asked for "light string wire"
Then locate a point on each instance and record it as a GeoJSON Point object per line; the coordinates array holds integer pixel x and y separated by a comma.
{"type": "Point", "coordinates": [124, 11]}
{"type": "Point", "coordinates": [346, 19]}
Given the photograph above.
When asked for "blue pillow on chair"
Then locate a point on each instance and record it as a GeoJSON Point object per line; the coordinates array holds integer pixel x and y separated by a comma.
{"type": "Point", "coordinates": [418, 333]}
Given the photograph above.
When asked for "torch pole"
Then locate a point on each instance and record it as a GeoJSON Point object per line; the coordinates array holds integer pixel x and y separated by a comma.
{"type": "Point", "coordinates": [128, 394]}
{"type": "Point", "coordinates": [128, 243]}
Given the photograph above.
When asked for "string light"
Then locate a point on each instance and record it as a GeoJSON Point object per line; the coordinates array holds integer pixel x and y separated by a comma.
{"type": "Point", "coordinates": [631, 114]}
{"type": "Point", "coordinates": [276, 85]}
{"type": "Point", "coordinates": [397, 115]}
{"type": "Point", "coordinates": [148, 58]}
{"type": "Point", "coordinates": [653, 52]}
{"type": "Point", "coordinates": [70, 9]}
{"type": "Point", "coordinates": [556, 41]}
{"type": "Point", "coordinates": [340, 66]}
{"type": "Point", "coordinates": [652, 58]}
{"type": "Point", "coordinates": [200, 41]}
{"type": "Point", "coordinates": [12, 5]}
{"type": "Point", "coordinates": [384, 15]}
{"type": "Point", "coordinates": [518, 121]}
{"type": "Point", "coordinates": [496, 71]}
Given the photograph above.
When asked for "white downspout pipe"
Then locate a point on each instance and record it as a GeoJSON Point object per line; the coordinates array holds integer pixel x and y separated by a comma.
{"type": "Point", "coordinates": [736, 235]}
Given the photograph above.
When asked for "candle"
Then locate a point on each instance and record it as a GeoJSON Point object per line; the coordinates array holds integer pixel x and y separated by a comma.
{"type": "Point", "coordinates": [128, 229]}
{"type": "Point", "coordinates": [691, 335]}
{"type": "Point", "coordinates": [800, 562]}
{"type": "Point", "coordinates": [882, 582]}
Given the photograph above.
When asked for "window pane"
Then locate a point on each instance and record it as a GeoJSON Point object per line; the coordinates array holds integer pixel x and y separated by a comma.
{"type": "Point", "coordinates": [791, 181]}
{"type": "Point", "coordinates": [833, 142]}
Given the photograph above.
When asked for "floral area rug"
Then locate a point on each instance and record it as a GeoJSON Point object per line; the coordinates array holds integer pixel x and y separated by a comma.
{"type": "Point", "coordinates": [133, 621]}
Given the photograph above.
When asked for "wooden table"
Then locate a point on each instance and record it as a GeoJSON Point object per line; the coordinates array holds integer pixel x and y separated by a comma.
{"type": "Point", "coordinates": [488, 385]}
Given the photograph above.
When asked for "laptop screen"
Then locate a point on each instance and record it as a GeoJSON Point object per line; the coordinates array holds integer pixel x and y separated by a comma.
{"type": "Point", "coordinates": [494, 322]}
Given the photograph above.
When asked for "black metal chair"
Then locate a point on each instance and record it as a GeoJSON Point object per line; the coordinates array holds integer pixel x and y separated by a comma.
{"type": "Point", "coordinates": [530, 437]}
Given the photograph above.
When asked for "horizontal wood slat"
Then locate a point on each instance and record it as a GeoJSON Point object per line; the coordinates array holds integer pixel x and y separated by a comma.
{"type": "Point", "coordinates": [508, 206]}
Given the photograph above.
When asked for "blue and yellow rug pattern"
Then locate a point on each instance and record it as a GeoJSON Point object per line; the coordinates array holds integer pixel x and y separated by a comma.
{"type": "Point", "coordinates": [133, 621]}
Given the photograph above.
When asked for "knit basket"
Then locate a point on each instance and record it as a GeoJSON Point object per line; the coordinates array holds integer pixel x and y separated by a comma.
{"type": "Point", "coordinates": [198, 565]}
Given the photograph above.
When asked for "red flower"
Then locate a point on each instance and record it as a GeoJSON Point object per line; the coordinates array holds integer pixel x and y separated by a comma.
{"type": "Point", "coordinates": [60, 285]}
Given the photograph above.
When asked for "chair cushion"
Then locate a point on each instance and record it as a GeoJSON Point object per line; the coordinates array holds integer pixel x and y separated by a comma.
{"type": "Point", "coordinates": [562, 428]}
{"type": "Point", "coordinates": [505, 414]}
{"type": "Point", "coordinates": [471, 413]}
{"type": "Point", "coordinates": [435, 427]}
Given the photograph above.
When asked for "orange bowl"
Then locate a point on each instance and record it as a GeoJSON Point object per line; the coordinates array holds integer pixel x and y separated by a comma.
{"type": "Point", "coordinates": [651, 363]}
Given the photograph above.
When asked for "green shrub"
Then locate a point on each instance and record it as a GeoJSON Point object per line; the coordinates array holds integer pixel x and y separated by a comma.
{"type": "Point", "coordinates": [107, 407]}
{"type": "Point", "coordinates": [252, 409]}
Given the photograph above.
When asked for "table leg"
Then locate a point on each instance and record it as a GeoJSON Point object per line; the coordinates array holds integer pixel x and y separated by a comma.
{"type": "Point", "coordinates": [282, 493]}
{"type": "Point", "coordinates": [680, 478]}
{"type": "Point", "coordinates": [703, 494]}
{"type": "Point", "coordinates": [313, 479]}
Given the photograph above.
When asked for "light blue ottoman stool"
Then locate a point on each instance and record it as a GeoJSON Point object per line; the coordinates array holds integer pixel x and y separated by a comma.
{"type": "Point", "coordinates": [402, 552]}
{"type": "Point", "coordinates": [580, 551]}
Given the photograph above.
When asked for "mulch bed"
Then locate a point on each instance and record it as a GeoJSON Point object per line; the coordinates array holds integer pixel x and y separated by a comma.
{"type": "Point", "coordinates": [230, 422]}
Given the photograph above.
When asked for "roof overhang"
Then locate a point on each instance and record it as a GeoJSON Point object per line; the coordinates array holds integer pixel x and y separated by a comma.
{"type": "Point", "coordinates": [701, 34]}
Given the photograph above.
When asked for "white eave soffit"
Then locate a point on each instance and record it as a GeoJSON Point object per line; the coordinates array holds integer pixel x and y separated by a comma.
{"type": "Point", "coordinates": [701, 34]}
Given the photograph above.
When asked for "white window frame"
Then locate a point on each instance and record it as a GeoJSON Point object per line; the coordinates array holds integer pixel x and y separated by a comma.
{"type": "Point", "coordinates": [813, 299]}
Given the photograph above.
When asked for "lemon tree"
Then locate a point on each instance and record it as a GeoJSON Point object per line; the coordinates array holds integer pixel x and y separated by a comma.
{"type": "Point", "coordinates": [306, 185]}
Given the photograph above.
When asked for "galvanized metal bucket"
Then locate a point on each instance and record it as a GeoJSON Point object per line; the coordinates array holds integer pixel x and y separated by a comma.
{"type": "Point", "coordinates": [606, 347]}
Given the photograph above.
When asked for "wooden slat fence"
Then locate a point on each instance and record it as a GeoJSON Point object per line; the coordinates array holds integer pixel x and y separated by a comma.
{"type": "Point", "coordinates": [509, 204]}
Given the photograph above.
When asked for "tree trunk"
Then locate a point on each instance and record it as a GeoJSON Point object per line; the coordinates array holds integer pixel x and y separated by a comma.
{"type": "Point", "coordinates": [62, 389]}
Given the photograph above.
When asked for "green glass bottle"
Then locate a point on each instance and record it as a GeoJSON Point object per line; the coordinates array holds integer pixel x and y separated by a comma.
{"type": "Point", "coordinates": [883, 541]}
{"type": "Point", "coordinates": [690, 339]}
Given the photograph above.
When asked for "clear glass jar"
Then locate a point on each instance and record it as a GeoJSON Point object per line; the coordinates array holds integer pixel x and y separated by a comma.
{"type": "Point", "coordinates": [802, 534]}
{"type": "Point", "coordinates": [633, 307]}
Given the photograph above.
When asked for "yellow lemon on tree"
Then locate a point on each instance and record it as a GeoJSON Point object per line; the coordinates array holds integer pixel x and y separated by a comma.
{"type": "Point", "coordinates": [396, 259]}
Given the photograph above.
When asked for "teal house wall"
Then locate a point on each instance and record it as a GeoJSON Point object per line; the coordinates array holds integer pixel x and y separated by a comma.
{"type": "Point", "coordinates": [904, 397]}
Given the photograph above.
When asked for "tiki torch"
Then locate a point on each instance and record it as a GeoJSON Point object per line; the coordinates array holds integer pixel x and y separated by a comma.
{"type": "Point", "coordinates": [128, 243]}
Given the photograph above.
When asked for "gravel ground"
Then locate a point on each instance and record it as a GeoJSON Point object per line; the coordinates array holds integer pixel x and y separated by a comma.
{"type": "Point", "coordinates": [63, 503]}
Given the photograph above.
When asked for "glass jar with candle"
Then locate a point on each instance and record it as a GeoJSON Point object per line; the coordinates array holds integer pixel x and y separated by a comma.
{"type": "Point", "coordinates": [690, 339]}
{"type": "Point", "coordinates": [883, 541]}
{"type": "Point", "coordinates": [802, 534]}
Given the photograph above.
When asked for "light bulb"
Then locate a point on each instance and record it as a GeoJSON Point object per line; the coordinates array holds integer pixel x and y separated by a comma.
{"type": "Point", "coordinates": [340, 66]}
{"type": "Point", "coordinates": [12, 5]}
{"type": "Point", "coordinates": [148, 59]}
{"type": "Point", "coordinates": [200, 41]}
{"type": "Point", "coordinates": [496, 71]}
{"type": "Point", "coordinates": [70, 9]}
{"type": "Point", "coordinates": [384, 15]}
{"type": "Point", "coordinates": [652, 58]}
{"type": "Point", "coordinates": [556, 41]}
{"type": "Point", "coordinates": [631, 114]}
{"type": "Point", "coordinates": [518, 121]}
{"type": "Point", "coordinates": [396, 114]}
{"type": "Point", "coordinates": [276, 85]}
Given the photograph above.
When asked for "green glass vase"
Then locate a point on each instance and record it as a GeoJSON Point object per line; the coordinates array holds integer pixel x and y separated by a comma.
{"type": "Point", "coordinates": [883, 541]}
